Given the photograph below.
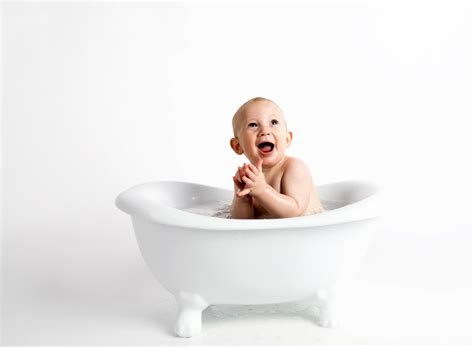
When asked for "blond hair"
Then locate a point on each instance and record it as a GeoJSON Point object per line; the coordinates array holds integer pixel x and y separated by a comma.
{"type": "Point", "coordinates": [241, 109]}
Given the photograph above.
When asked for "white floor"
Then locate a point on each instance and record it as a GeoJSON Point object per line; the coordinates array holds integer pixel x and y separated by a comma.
{"type": "Point", "coordinates": [405, 294]}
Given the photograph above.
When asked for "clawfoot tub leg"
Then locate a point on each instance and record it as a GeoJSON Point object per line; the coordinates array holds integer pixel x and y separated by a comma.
{"type": "Point", "coordinates": [328, 312]}
{"type": "Point", "coordinates": [327, 318]}
{"type": "Point", "coordinates": [191, 306]}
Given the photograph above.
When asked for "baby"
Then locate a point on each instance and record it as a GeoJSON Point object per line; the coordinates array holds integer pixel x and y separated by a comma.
{"type": "Point", "coordinates": [273, 185]}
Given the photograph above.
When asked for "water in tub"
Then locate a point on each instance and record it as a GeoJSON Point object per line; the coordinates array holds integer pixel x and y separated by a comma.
{"type": "Point", "coordinates": [221, 209]}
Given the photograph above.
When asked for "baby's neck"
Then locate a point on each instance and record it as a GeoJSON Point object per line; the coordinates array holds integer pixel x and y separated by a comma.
{"type": "Point", "coordinates": [277, 167]}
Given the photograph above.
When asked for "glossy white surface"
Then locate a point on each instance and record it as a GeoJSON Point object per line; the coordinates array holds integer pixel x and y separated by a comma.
{"type": "Point", "coordinates": [205, 260]}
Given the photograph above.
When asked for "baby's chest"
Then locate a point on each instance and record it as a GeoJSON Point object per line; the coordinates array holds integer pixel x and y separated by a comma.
{"type": "Point", "coordinates": [275, 182]}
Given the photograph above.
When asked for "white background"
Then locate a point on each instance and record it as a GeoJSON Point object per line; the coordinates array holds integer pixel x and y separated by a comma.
{"type": "Point", "coordinates": [98, 97]}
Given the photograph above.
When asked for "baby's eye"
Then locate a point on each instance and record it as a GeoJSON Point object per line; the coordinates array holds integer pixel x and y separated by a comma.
{"type": "Point", "coordinates": [274, 122]}
{"type": "Point", "coordinates": [252, 125]}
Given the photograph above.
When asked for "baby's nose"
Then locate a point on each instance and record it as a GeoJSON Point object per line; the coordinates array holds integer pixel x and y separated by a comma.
{"type": "Point", "coordinates": [264, 133]}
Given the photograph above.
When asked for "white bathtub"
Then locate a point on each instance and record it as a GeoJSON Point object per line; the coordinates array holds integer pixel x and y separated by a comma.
{"type": "Point", "coordinates": [205, 260]}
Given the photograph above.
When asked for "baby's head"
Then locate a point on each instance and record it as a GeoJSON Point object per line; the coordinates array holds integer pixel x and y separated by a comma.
{"type": "Point", "coordinates": [260, 131]}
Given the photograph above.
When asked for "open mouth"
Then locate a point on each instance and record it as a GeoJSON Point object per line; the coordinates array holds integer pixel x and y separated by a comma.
{"type": "Point", "coordinates": [266, 147]}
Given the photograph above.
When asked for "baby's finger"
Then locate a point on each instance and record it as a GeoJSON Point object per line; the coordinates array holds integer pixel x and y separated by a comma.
{"type": "Point", "coordinates": [254, 169]}
{"type": "Point", "coordinates": [236, 181]}
{"type": "Point", "coordinates": [249, 173]}
{"type": "Point", "coordinates": [239, 184]}
{"type": "Point", "coordinates": [243, 192]}
{"type": "Point", "coordinates": [241, 172]}
{"type": "Point", "coordinates": [247, 181]}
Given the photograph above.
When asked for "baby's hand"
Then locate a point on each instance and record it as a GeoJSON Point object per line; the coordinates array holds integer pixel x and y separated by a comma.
{"type": "Point", "coordinates": [254, 180]}
{"type": "Point", "coordinates": [238, 184]}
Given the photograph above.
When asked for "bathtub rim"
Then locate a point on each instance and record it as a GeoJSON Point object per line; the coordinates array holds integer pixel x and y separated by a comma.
{"type": "Point", "coordinates": [130, 202]}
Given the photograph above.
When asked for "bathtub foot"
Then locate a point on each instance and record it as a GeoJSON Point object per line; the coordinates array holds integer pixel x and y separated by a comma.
{"type": "Point", "coordinates": [189, 321]}
{"type": "Point", "coordinates": [327, 311]}
{"type": "Point", "coordinates": [326, 318]}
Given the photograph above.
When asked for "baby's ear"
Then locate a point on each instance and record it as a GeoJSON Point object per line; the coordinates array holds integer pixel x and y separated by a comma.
{"type": "Point", "coordinates": [289, 138]}
{"type": "Point", "coordinates": [234, 143]}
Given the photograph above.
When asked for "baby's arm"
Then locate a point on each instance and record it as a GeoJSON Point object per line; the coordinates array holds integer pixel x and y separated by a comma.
{"type": "Point", "coordinates": [296, 185]}
{"type": "Point", "coordinates": [242, 207]}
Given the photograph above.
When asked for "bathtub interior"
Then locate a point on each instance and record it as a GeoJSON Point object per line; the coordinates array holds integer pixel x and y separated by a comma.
{"type": "Point", "coordinates": [340, 194]}
{"type": "Point", "coordinates": [191, 205]}
{"type": "Point", "coordinates": [213, 201]}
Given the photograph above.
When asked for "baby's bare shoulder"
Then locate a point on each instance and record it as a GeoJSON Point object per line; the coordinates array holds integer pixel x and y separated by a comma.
{"type": "Point", "coordinates": [297, 164]}
{"type": "Point", "coordinates": [295, 169]}
{"type": "Point", "coordinates": [296, 179]}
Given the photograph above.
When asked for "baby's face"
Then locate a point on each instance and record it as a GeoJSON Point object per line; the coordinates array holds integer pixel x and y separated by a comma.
{"type": "Point", "coordinates": [261, 133]}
